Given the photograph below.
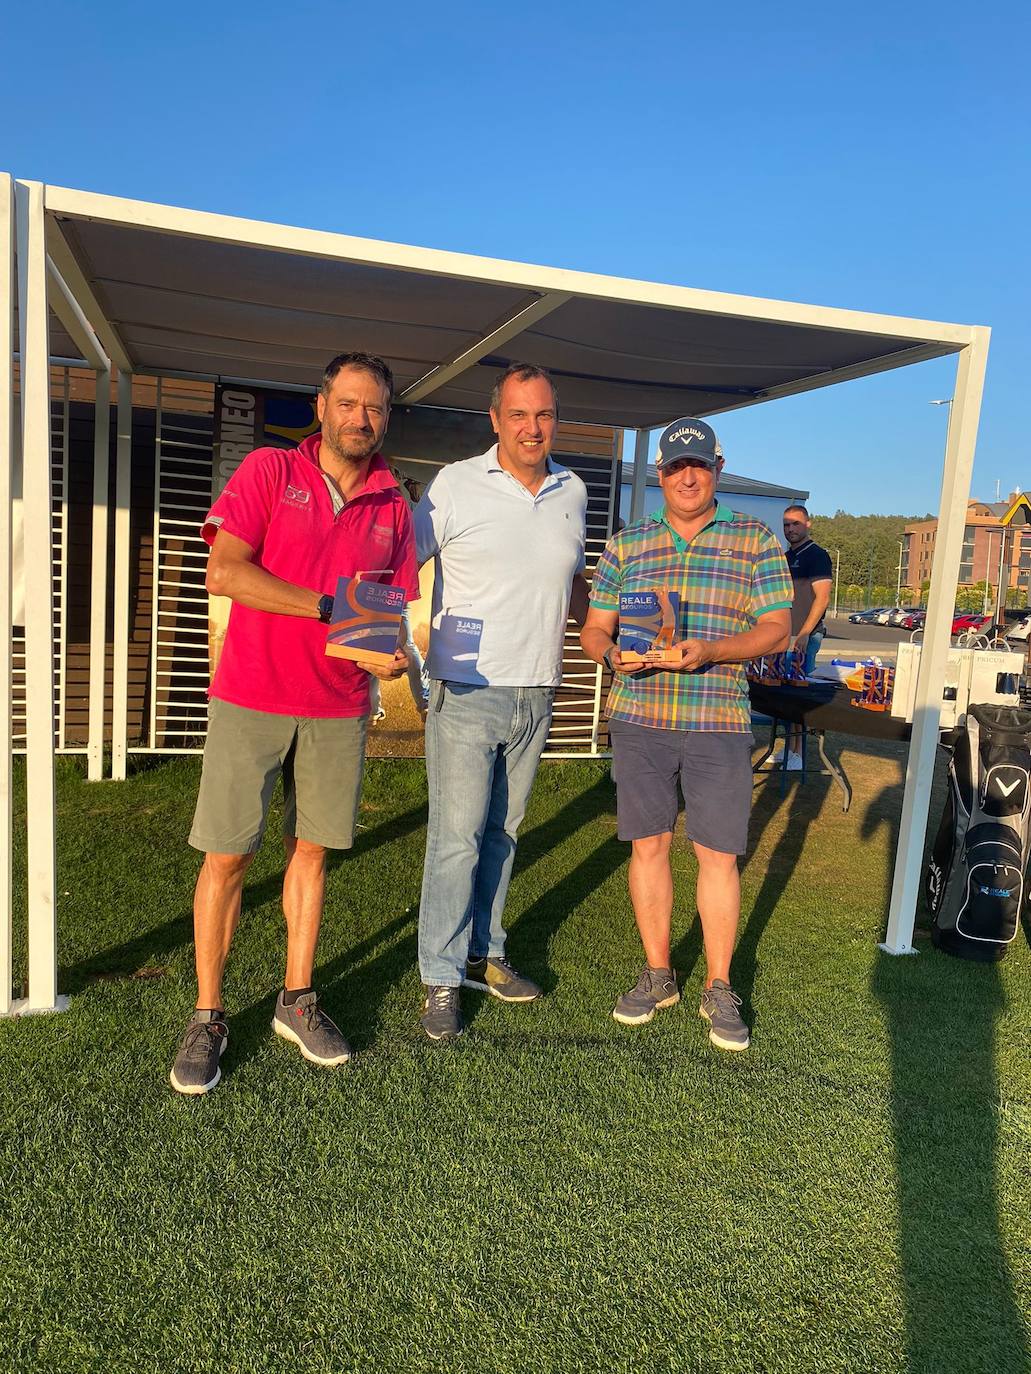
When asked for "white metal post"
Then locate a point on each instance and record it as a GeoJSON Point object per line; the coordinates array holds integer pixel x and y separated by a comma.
{"type": "Point", "coordinates": [41, 879]}
{"type": "Point", "coordinates": [6, 464]}
{"type": "Point", "coordinates": [948, 547]}
{"type": "Point", "coordinates": [1000, 599]}
{"type": "Point", "coordinates": [639, 485]}
{"type": "Point", "coordinates": [98, 576]}
{"type": "Point", "coordinates": [120, 635]}
{"type": "Point", "coordinates": [837, 572]}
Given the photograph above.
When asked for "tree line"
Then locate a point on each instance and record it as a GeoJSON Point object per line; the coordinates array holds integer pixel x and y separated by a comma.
{"type": "Point", "coordinates": [868, 546]}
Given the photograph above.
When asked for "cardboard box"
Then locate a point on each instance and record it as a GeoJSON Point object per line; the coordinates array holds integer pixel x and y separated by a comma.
{"type": "Point", "coordinates": [971, 675]}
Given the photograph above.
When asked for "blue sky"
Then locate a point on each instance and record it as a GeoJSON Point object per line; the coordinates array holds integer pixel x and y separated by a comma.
{"type": "Point", "coordinates": [876, 159]}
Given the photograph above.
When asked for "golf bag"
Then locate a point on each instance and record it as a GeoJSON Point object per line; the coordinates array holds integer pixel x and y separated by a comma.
{"type": "Point", "coordinates": [975, 877]}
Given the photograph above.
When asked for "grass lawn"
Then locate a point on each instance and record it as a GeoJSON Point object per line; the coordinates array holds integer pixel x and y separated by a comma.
{"type": "Point", "coordinates": [554, 1192]}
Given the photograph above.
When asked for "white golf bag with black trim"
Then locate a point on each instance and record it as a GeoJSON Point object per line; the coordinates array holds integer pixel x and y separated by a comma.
{"type": "Point", "coordinates": [976, 874]}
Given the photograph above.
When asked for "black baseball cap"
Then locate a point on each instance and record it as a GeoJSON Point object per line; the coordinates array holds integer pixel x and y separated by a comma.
{"type": "Point", "coordinates": [688, 438]}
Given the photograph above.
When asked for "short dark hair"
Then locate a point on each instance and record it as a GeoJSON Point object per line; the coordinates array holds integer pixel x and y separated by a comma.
{"type": "Point", "coordinates": [797, 507]}
{"type": "Point", "coordinates": [522, 372]}
{"type": "Point", "coordinates": [363, 362]}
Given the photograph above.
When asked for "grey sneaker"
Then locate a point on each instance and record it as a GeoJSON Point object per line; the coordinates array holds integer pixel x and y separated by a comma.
{"type": "Point", "coordinates": [441, 1017]}
{"type": "Point", "coordinates": [719, 1007]}
{"type": "Point", "coordinates": [196, 1069]}
{"type": "Point", "coordinates": [654, 990]}
{"type": "Point", "coordinates": [499, 978]}
{"type": "Point", "coordinates": [310, 1029]}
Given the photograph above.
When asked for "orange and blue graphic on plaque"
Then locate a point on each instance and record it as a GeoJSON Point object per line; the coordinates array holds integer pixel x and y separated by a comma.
{"type": "Point", "coordinates": [647, 620]}
{"type": "Point", "coordinates": [366, 619]}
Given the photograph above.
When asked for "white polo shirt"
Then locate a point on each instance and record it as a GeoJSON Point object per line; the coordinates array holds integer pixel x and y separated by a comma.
{"type": "Point", "coordinates": [505, 561]}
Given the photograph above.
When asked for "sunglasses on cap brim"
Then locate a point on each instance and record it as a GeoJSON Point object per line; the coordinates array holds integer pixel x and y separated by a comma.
{"type": "Point", "coordinates": [678, 464]}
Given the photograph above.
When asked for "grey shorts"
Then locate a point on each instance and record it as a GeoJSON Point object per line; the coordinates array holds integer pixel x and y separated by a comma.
{"type": "Point", "coordinates": [714, 770]}
{"type": "Point", "coordinates": [321, 762]}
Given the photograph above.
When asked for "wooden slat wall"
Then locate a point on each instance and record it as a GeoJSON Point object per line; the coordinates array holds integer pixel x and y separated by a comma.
{"type": "Point", "coordinates": [593, 453]}
{"type": "Point", "coordinates": [591, 450]}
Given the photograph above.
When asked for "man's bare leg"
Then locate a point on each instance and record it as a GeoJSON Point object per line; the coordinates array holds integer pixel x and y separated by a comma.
{"type": "Point", "coordinates": [719, 906]}
{"type": "Point", "coordinates": [651, 892]}
{"type": "Point", "coordinates": [304, 891]}
{"type": "Point", "coordinates": [216, 911]}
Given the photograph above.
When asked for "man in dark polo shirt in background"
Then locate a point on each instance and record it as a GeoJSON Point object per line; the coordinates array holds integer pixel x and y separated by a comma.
{"type": "Point", "coordinates": [811, 574]}
{"type": "Point", "coordinates": [689, 724]}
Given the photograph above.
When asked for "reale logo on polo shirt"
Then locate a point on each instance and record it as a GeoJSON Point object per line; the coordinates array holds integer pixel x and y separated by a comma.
{"type": "Point", "coordinates": [294, 496]}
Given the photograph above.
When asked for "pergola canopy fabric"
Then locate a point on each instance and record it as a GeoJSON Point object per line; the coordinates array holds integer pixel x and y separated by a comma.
{"type": "Point", "coordinates": [624, 353]}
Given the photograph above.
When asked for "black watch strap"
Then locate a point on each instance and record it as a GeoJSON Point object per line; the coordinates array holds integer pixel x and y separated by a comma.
{"type": "Point", "coordinates": [326, 608]}
{"type": "Point", "coordinates": [607, 656]}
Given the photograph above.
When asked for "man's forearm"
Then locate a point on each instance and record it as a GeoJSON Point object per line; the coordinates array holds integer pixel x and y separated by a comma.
{"type": "Point", "coordinates": [261, 591]}
{"type": "Point", "coordinates": [595, 641]}
{"type": "Point", "coordinates": [754, 643]}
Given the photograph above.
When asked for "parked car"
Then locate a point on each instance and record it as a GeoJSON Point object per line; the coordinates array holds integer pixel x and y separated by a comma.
{"type": "Point", "coordinates": [964, 621]}
{"type": "Point", "coordinates": [914, 620]}
{"type": "Point", "coordinates": [866, 617]}
{"type": "Point", "coordinates": [899, 614]}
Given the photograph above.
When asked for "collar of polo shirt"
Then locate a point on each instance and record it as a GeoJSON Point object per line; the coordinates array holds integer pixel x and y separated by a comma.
{"type": "Point", "coordinates": [723, 515]}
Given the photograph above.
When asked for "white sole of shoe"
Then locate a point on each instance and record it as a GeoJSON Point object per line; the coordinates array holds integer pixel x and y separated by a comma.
{"type": "Point", "coordinates": [198, 1090]}
{"type": "Point", "coordinates": [643, 1020]}
{"type": "Point", "coordinates": [288, 1034]}
{"type": "Point", "coordinates": [718, 1041]}
{"type": "Point", "coordinates": [502, 997]}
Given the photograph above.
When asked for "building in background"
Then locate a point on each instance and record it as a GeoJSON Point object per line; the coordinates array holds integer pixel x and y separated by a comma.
{"type": "Point", "coordinates": [762, 500]}
{"type": "Point", "coordinates": [985, 553]}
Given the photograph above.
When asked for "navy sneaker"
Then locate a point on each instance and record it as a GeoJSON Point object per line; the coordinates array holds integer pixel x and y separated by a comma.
{"type": "Point", "coordinates": [441, 1017]}
{"type": "Point", "coordinates": [655, 989]}
{"type": "Point", "coordinates": [307, 1026]}
{"type": "Point", "coordinates": [719, 1007]}
{"type": "Point", "coordinates": [196, 1068]}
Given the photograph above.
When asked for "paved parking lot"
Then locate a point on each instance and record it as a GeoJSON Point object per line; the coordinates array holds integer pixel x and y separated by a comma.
{"type": "Point", "coordinates": [845, 640]}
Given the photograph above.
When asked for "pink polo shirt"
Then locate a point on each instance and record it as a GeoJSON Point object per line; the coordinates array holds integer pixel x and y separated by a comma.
{"type": "Point", "coordinates": [277, 501]}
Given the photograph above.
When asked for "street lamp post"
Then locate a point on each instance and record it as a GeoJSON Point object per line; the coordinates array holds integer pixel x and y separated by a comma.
{"type": "Point", "coordinates": [987, 573]}
{"type": "Point", "coordinates": [837, 573]}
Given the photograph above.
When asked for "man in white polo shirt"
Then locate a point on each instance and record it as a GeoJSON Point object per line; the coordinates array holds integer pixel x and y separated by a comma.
{"type": "Point", "coordinates": [506, 530]}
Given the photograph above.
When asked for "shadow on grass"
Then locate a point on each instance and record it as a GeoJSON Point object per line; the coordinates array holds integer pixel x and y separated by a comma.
{"type": "Point", "coordinates": [533, 930]}
{"type": "Point", "coordinates": [803, 803]}
{"type": "Point", "coordinates": [352, 992]}
{"type": "Point", "coordinates": [961, 1309]}
{"type": "Point", "coordinates": [152, 946]}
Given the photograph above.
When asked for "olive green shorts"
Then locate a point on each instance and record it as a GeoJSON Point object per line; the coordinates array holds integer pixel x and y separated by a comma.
{"type": "Point", "coordinates": [321, 762]}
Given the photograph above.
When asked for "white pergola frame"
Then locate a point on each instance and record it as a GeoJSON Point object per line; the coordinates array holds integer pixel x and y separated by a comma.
{"type": "Point", "coordinates": [49, 278]}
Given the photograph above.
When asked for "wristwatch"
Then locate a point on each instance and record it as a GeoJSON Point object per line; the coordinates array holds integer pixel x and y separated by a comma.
{"type": "Point", "coordinates": [607, 656]}
{"type": "Point", "coordinates": [326, 608]}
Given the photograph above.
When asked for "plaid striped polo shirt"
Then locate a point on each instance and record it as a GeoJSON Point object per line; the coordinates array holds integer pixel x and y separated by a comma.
{"type": "Point", "coordinates": [730, 573]}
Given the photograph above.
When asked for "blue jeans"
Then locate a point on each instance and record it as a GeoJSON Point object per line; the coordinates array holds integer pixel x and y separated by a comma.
{"type": "Point", "coordinates": [483, 745]}
{"type": "Point", "coordinates": [812, 649]}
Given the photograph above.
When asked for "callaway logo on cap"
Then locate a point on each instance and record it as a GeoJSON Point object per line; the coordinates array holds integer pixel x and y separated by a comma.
{"type": "Point", "coordinates": [688, 438]}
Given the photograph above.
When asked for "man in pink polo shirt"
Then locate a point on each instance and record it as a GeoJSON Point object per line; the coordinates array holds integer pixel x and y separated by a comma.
{"type": "Point", "coordinates": [287, 525]}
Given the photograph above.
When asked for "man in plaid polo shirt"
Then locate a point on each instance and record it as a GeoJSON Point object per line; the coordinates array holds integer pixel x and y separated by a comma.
{"type": "Point", "coordinates": [689, 722]}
